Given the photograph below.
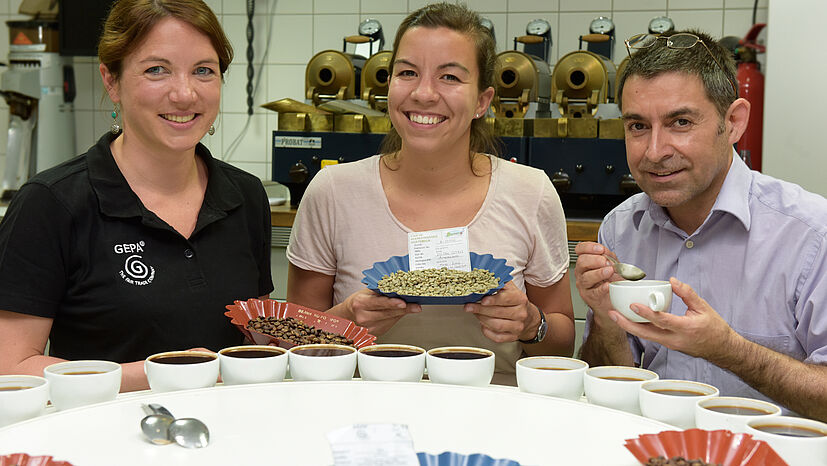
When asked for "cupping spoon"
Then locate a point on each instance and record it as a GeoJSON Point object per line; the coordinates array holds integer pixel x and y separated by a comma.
{"type": "Point", "coordinates": [161, 428]}
{"type": "Point", "coordinates": [627, 271]}
{"type": "Point", "coordinates": [156, 424]}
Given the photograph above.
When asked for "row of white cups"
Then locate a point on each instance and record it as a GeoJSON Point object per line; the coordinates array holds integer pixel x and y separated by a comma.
{"type": "Point", "coordinates": [72, 384]}
{"type": "Point", "coordinates": [681, 403]}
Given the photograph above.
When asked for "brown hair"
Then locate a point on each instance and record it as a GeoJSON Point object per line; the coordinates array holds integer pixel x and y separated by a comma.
{"type": "Point", "coordinates": [467, 22]}
{"type": "Point", "coordinates": [658, 59]}
{"type": "Point", "coordinates": [129, 22]}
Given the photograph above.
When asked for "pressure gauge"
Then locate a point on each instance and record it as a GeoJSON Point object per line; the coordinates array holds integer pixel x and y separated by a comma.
{"type": "Point", "coordinates": [370, 27]}
{"type": "Point", "coordinates": [660, 25]}
{"type": "Point", "coordinates": [602, 25]}
{"type": "Point", "coordinates": [538, 27]}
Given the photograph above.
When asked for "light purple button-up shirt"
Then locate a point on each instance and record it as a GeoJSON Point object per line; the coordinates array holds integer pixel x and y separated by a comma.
{"type": "Point", "coordinates": [758, 260]}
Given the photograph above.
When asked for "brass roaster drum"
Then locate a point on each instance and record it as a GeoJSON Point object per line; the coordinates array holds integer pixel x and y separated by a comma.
{"type": "Point", "coordinates": [331, 75]}
{"type": "Point", "coordinates": [375, 79]}
{"type": "Point", "coordinates": [580, 76]}
{"type": "Point", "coordinates": [519, 79]}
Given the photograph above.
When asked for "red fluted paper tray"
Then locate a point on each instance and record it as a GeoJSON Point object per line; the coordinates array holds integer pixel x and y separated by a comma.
{"type": "Point", "coordinates": [22, 459]}
{"type": "Point", "coordinates": [716, 447]}
{"type": "Point", "coordinates": [241, 312]}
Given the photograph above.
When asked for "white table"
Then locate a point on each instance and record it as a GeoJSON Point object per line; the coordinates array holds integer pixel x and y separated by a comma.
{"type": "Point", "coordinates": [286, 423]}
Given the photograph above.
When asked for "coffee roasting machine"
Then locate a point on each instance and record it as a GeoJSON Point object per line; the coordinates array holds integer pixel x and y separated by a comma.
{"type": "Point", "coordinates": [563, 122]}
{"type": "Point", "coordinates": [38, 86]}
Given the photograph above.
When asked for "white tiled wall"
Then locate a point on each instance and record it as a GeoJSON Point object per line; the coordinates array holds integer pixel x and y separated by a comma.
{"type": "Point", "coordinates": [301, 28]}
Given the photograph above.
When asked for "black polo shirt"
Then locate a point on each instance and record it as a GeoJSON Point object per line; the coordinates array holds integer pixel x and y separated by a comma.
{"type": "Point", "coordinates": [78, 246]}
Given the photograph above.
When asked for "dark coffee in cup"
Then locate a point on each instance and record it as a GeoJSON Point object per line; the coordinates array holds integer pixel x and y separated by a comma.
{"type": "Point", "coordinates": [182, 358]}
{"type": "Point", "coordinates": [323, 351]}
{"type": "Point", "coordinates": [738, 410]}
{"type": "Point", "coordinates": [623, 379]}
{"type": "Point", "coordinates": [13, 389]}
{"type": "Point", "coordinates": [676, 392]}
{"type": "Point", "coordinates": [83, 372]}
{"type": "Point", "coordinates": [391, 352]}
{"type": "Point", "coordinates": [555, 368]}
{"type": "Point", "coordinates": [790, 431]}
{"type": "Point", "coordinates": [460, 354]}
{"type": "Point", "coordinates": [253, 353]}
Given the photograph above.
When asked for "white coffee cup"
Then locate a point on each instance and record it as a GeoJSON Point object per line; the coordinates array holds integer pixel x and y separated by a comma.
{"type": "Point", "coordinates": [79, 383]}
{"type": "Point", "coordinates": [181, 370]}
{"type": "Point", "coordinates": [673, 401]}
{"type": "Point", "coordinates": [252, 364]}
{"type": "Point", "coordinates": [552, 375]}
{"type": "Point", "coordinates": [794, 450]}
{"type": "Point", "coordinates": [656, 294]}
{"type": "Point", "coordinates": [731, 412]}
{"type": "Point", "coordinates": [616, 387]}
{"type": "Point", "coordinates": [460, 365]}
{"type": "Point", "coordinates": [22, 397]}
{"type": "Point", "coordinates": [322, 361]}
{"type": "Point", "coordinates": [391, 363]}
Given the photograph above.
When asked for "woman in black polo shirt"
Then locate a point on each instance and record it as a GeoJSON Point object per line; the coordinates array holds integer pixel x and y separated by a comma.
{"type": "Point", "coordinates": [136, 246]}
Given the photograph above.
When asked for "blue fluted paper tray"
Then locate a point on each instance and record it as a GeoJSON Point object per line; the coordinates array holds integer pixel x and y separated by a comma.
{"type": "Point", "coordinates": [396, 263]}
{"type": "Point", "coordinates": [455, 459]}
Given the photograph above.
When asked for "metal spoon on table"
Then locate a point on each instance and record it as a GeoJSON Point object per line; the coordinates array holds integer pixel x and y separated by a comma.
{"type": "Point", "coordinates": [627, 271]}
{"type": "Point", "coordinates": [161, 428]}
{"type": "Point", "coordinates": [156, 424]}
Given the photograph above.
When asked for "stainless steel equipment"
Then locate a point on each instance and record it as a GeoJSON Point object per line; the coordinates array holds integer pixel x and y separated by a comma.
{"type": "Point", "coordinates": [39, 89]}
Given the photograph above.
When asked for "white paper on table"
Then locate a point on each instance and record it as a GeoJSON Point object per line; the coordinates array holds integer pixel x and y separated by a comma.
{"type": "Point", "coordinates": [435, 249]}
{"type": "Point", "coordinates": [372, 445]}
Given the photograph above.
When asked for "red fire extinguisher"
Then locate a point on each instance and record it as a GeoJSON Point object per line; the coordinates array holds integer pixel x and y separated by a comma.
{"type": "Point", "coordinates": [751, 87]}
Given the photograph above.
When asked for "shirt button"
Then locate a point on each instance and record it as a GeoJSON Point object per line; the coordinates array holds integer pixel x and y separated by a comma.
{"type": "Point", "coordinates": [188, 253]}
{"type": "Point", "coordinates": [690, 244]}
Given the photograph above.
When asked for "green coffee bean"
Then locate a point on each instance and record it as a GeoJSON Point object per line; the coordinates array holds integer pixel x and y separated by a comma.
{"type": "Point", "coordinates": [438, 282]}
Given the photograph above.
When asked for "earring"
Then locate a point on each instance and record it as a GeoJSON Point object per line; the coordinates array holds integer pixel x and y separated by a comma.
{"type": "Point", "coordinates": [211, 131]}
{"type": "Point", "coordinates": [116, 128]}
{"type": "Point", "coordinates": [476, 115]}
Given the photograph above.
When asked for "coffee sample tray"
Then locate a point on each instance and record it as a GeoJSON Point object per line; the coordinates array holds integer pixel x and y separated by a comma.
{"type": "Point", "coordinates": [717, 447]}
{"type": "Point", "coordinates": [241, 312]}
{"type": "Point", "coordinates": [498, 267]}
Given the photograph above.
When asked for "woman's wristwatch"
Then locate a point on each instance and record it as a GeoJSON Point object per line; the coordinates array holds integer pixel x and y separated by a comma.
{"type": "Point", "coordinates": [541, 330]}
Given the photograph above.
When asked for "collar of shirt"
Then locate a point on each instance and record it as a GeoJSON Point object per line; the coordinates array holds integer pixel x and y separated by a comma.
{"type": "Point", "coordinates": [117, 199]}
{"type": "Point", "coordinates": [733, 199]}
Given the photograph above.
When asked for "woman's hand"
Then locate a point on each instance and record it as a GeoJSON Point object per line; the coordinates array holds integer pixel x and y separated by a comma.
{"type": "Point", "coordinates": [376, 312]}
{"type": "Point", "coordinates": [507, 315]}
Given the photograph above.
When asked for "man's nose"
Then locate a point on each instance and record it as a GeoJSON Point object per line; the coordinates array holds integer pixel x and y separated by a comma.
{"type": "Point", "coordinates": [659, 144]}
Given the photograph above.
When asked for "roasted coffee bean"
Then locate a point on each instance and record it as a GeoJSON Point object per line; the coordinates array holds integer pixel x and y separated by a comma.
{"type": "Point", "coordinates": [295, 331]}
{"type": "Point", "coordinates": [677, 461]}
{"type": "Point", "coordinates": [438, 282]}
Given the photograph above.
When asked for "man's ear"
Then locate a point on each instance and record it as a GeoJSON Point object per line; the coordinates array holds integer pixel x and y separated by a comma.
{"type": "Point", "coordinates": [110, 83]}
{"type": "Point", "coordinates": [736, 119]}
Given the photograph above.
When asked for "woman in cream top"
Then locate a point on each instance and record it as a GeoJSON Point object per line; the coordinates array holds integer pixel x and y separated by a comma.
{"type": "Point", "coordinates": [433, 173]}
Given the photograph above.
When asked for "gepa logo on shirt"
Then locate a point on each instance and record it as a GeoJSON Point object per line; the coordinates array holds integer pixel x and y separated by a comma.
{"type": "Point", "coordinates": [135, 271]}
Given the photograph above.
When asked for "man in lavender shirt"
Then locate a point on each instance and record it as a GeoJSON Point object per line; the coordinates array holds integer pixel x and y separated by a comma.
{"type": "Point", "coordinates": [752, 246]}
